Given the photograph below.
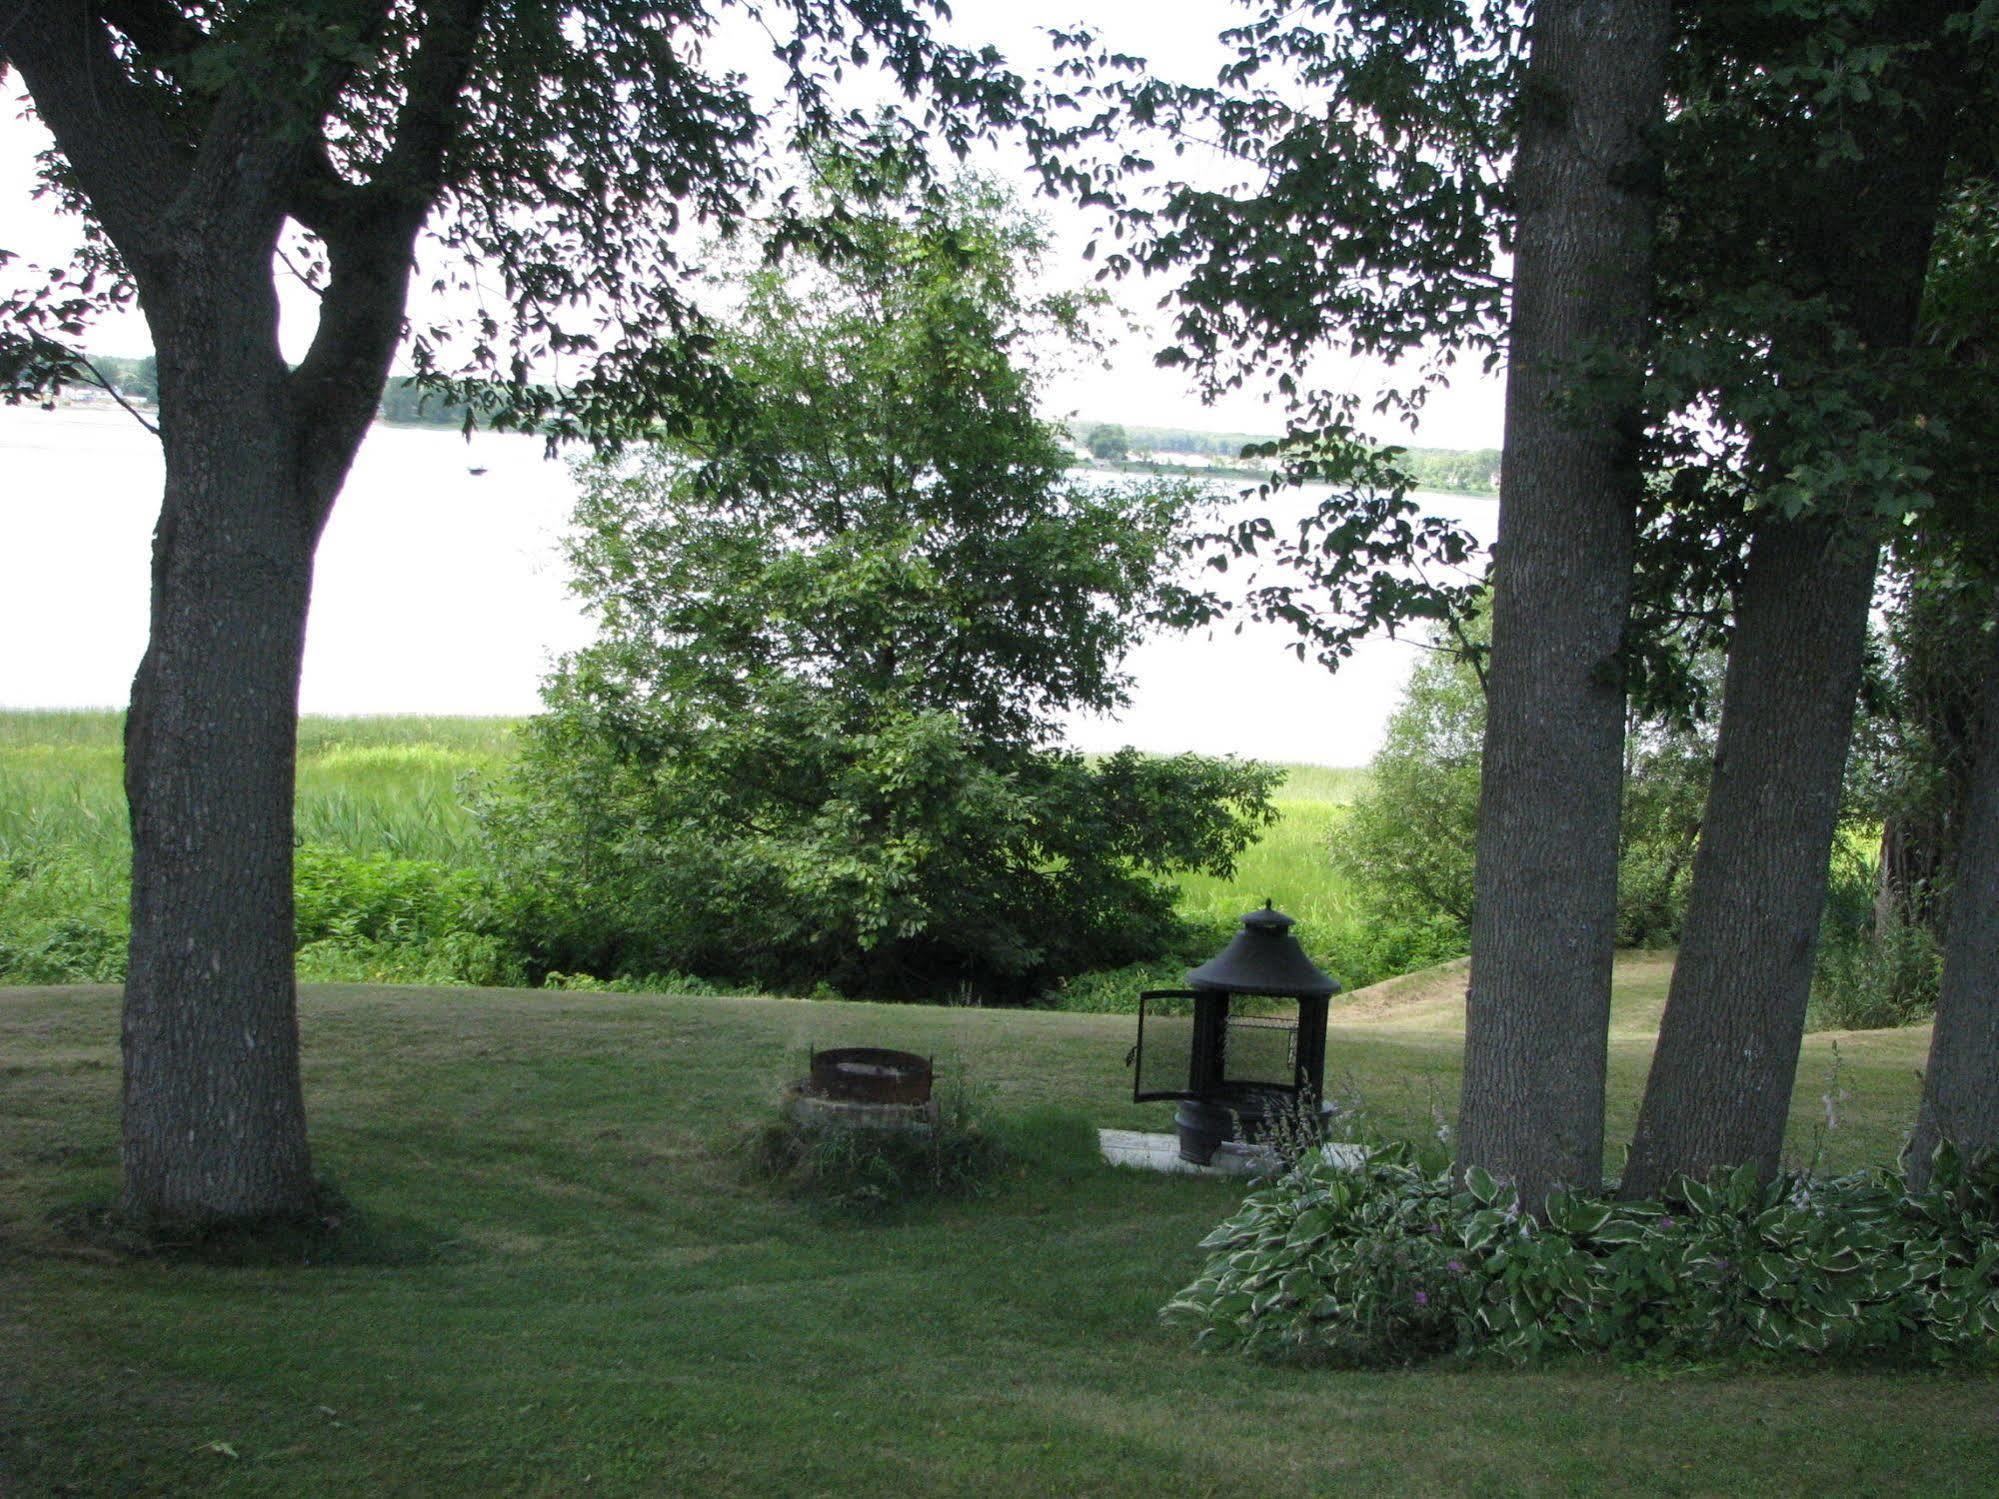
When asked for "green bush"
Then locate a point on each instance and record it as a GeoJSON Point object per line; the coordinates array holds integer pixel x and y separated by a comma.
{"type": "Point", "coordinates": [1872, 972]}
{"type": "Point", "coordinates": [1395, 1261]}
{"type": "Point", "coordinates": [1368, 952]}
{"type": "Point", "coordinates": [64, 950]}
{"type": "Point", "coordinates": [372, 918]}
{"type": "Point", "coordinates": [1407, 846]}
{"type": "Point", "coordinates": [63, 916]}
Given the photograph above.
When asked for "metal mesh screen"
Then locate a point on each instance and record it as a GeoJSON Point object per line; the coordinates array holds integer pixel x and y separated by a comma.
{"type": "Point", "coordinates": [1165, 1044]}
{"type": "Point", "coordinates": [1261, 1049]}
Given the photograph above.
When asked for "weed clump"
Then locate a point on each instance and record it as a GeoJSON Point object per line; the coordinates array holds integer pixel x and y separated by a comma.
{"type": "Point", "coordinates": [865, 1171]}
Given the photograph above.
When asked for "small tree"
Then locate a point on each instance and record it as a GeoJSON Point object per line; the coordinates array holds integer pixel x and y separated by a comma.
{"type": "Point", "coordinates": [1408, 843]}
{"type": "Point", "coordinates": [1109, 444]}
{"type": "Point", "coordinates": [816, 739]}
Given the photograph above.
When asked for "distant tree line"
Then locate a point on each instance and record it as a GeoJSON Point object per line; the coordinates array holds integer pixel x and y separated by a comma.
{"type": "Point", "coordinates": [407, 401]}
{"type": "Point", "coordinates": [403, 400]}
{"type": "Point", "coordinates": [135, 379]}
{"type": "Point", "coordinates": [1454, 470]}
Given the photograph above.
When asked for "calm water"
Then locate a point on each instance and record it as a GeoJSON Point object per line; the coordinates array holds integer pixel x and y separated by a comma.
{"type": "Point", "coordinates": [439, 590]}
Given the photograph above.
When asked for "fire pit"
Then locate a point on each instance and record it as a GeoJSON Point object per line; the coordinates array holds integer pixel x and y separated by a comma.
{"type": "Point", "coordinates": [1242, 1044]}
{"type": "Point", "coordinates": [864, 1087]}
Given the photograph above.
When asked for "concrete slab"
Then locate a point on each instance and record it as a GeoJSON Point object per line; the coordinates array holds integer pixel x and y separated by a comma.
{"type": "Point", "coordinates": [1151, 1152]}
{"type": "Point", "coordinates": [1130, 1147]}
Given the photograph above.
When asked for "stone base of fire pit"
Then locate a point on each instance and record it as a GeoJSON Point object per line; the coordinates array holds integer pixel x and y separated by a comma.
{"type": "Point", "coordinates": [808, 1108]}
{"type": "Point", "coordinates": [1130, 1147]}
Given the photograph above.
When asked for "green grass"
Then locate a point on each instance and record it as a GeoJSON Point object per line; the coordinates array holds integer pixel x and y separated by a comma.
{"type": "Point", "coordinates": [1289, 864]}
{"type": "Point", "coordinates": [395, 785]}
{"type": "Point", "coordinates": [575, 1290]}
{"type": "Point", "coordinates": [398, 786]}
{"type": "Point", "coordinates": [365, 785]}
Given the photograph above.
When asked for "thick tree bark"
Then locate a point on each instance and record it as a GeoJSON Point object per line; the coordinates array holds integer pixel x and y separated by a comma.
{"type": "Point", "coordinates": [1720, 1088]}
{"type": "Point", "coordinates": [214, 1120]}
{"type": "Point", "coordinates": [1544, 921]}
{"type": "Point", "coordinates": [1961, 1084]}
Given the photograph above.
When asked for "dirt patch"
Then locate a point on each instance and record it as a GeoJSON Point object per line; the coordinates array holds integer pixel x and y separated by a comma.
{"type": "Point", "coordinates": [1414, 998]}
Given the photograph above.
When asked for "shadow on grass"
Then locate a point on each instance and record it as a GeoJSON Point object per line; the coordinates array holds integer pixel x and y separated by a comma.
{"type": "Point", "coordinates": [334, 1231]}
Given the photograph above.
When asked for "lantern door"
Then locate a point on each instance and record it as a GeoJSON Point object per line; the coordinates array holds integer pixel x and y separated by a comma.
{"type": "Point", "coordinates": [1169, 1022]}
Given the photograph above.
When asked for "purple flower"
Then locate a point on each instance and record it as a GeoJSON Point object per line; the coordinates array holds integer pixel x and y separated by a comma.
{"type": "Point", "coordinates": [1456, 1267]}
{"type": "Point", "coordinates": [1422, 1298]}
{"type": "Point", "coordinates": [1666, 1222]}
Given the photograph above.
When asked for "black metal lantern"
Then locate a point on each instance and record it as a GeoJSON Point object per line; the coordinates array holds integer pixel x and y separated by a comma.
{"type": "Point", "coordinates": [1242, 1043]}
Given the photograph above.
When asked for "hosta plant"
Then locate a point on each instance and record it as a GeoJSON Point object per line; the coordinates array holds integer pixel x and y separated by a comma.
{"type": "Point", "coordinates": [1399, 1260]}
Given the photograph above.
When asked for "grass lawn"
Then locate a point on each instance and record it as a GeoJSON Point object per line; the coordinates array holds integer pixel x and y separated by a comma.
{"type": "Point", "coordinates": [571, 1290]}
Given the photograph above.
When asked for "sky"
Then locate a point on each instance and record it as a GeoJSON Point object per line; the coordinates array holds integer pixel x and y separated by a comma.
{"type": "Point", "coordinates": [1275, 706]}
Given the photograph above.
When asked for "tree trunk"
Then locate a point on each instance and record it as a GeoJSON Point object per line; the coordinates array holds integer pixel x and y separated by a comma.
{"type": "Point", "coordinates": [214, 1123]}
{"type": "Point", "coordinates": [1545, 912]}
{"type": "Point", "coordinates": [1961, 1084]}
{"type": "Point", "coordinates": [214, 1119]}
{"type": "Point", "coordinates": [1859, 238]}
{"type": "Point", "coordinates": [1720, 1087]}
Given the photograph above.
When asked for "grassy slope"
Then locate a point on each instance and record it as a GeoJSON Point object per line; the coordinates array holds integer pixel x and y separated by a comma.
{"type": "Point", "coordinates": [578, 1290]}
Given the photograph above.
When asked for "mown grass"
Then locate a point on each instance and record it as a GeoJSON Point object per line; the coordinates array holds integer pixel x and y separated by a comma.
{"type": "Point", "coordinates": [568, 1285]}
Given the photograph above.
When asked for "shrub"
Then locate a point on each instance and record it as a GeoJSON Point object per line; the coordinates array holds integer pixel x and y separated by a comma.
{"type": "Point", "coordinates": [1395, 1261]}
{"type": "Point", "coordinates": [1871, 972]}
{"type": "Point", "coordinates": [373, 918]}
{"type": "Point", "coordinates": [1407, 845]}
{"type": "Point", "coordinates": [64, 950]}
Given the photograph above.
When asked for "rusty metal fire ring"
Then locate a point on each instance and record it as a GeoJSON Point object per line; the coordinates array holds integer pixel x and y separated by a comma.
{"type": "Point", "coordinates": [870, 1074]}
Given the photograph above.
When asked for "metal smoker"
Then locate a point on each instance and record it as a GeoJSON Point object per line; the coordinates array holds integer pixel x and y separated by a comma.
{"type": "Point", "coordinates": [1242, 1043]}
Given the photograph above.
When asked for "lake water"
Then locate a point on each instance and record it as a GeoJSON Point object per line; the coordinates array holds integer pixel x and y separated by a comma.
{"type": "Point", "coordinates": [441, 590]}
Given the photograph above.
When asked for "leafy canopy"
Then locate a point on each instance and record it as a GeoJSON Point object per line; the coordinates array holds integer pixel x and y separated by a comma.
{"type": "Point", "coordinates": [555, 153]}
{"type": "Point", "coordinates": [1408, 842]}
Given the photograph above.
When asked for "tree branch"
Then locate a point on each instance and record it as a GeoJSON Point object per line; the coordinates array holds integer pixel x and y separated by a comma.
{"type": "Point", "coordinates": [104, 383]}
{"type": "Point", "coordinates": [370, 241]}
{"type": "Point", "coordinates": [126, 164]}
{"type": "Point", "coordinates": [428, 123]}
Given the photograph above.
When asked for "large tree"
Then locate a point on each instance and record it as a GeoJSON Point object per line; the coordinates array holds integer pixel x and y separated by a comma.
{"type": "Point", "coordinates": [1394, 151]}
{"type": "Point", "coordinates": [553, 149]}
{"type": "Point", "coordinates": [1960, 1101]}
{"type": "Point", "coordinates": [1813, 239]}
{"type": "Point", "coordinates": [818, 737]}
{"type": "Point", "coordinates": [1544, 923]}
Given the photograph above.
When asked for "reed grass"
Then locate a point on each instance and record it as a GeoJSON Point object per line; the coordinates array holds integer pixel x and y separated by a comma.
{"type": "Point", "coordinates": [402, 786]}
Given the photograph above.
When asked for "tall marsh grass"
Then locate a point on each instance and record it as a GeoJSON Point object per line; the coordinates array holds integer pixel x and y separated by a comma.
{"type": "Point", "coordinates": [398, 788]}
{"type": "Point", "coordinates": [1289, 864]}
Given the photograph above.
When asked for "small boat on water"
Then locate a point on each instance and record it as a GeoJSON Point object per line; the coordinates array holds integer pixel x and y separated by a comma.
{"type": "Point", "coordinates": [475, 472]}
